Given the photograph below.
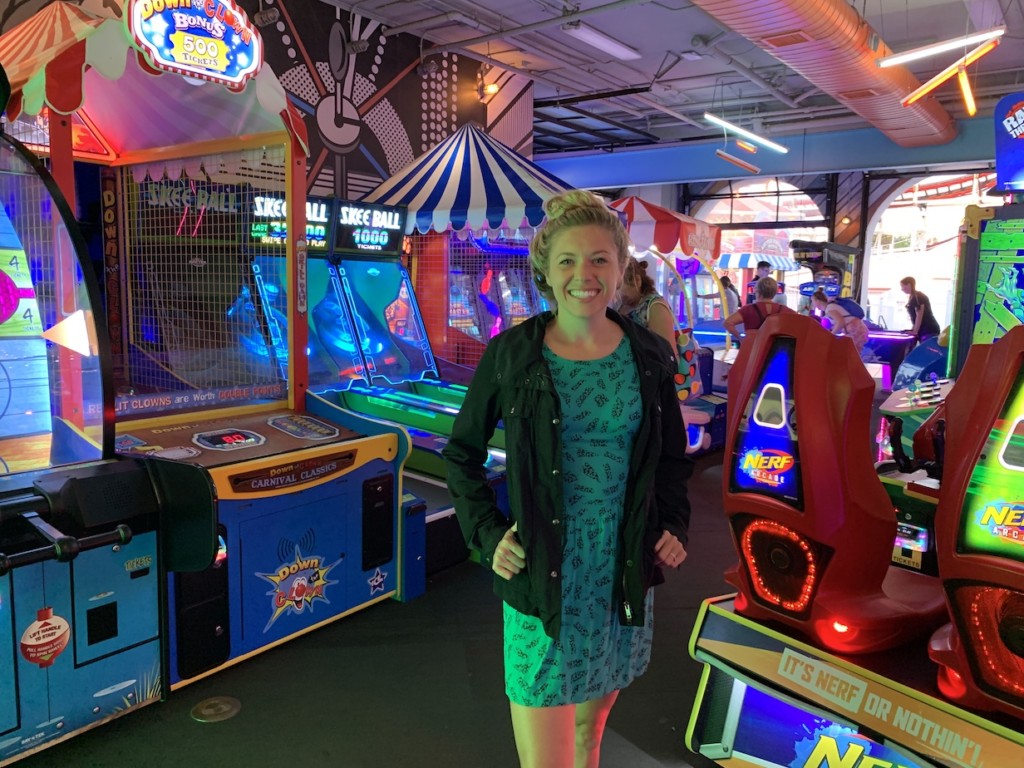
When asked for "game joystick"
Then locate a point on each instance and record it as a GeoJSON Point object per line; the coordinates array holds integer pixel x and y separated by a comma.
{"type": "Point", "coordinates": [899, 455]}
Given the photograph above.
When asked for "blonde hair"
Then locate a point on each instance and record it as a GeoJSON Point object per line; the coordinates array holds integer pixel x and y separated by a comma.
{"type": "Point", "coordinates": [575, 208]}
{"type": "Point", "coordinates": [767, 288]}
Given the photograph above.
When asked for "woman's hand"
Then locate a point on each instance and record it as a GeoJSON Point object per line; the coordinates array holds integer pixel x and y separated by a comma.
{"type": "Point", "coordinates": [509, 556]}
{"type": "Point", "coordinates": [669, 551]}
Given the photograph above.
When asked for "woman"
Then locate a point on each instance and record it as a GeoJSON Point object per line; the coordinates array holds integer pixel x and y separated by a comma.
{"type": "Point", "coordinates": [642, 304]}
{"type": "Point", "coordinates": [752, 315]}
{"type": "Point", "coordinates": [596, 480]}
{"type": "Point", "coordinates": [841, 322]}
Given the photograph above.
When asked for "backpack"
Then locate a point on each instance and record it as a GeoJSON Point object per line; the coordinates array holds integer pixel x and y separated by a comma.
{"type": "Point", "coordinates": [852, 307]}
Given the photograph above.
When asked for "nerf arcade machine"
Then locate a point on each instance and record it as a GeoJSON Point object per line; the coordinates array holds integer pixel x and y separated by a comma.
{"type": "Point", "coordinates": [819, 658]}
{"type": "Point", "coordinates": [980, 531]}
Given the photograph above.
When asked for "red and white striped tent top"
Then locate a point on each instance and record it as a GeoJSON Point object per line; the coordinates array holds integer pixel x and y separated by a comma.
{"type": "Point", "coordinates": [69, 59]}
{"type": "Point", "coordinates": [668, 231]}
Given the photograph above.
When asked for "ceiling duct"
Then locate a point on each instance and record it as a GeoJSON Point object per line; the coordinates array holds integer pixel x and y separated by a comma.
{"type": "Point", "coordinates": [831, 46]}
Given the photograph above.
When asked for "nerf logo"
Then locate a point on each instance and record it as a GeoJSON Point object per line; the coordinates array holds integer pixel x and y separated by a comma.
{"type": "Point", "coordinates": [767, 466]}
{"type": "Point", "coordinates": [1004, 520]}
{"type": "Point", "coordinates": [1014, 120]}
{"type": "Point", "coordinates": [829, 753]}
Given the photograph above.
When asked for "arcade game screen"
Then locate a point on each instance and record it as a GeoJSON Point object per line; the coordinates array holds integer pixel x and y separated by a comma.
{"type": "Point", "coordinates": [462, 307]}
{"type": "Point", "coordinates": [991, 518]}
{"type": "Point", "coordinates": [516, 299]}
{"type": "Point", "coordinates": [195, 305]}
{"type": "Point", "coordinates": [999, 302]}
{"type": "Point", "coordinates": [390, 327]}
{"type": "Point", "coordinates": [335, 352]}
{"type": "Point", "coordinates": [51, 409]}
{"type": "Point", "coordinates": [766, 459]}
{"type": "Point", "coordinates": [776, 734]}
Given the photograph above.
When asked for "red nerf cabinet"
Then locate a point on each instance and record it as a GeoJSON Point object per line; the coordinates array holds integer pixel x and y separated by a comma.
{"type": "Point", "coordinates": [979, 531]}
{"type": "Point", "coordinates": [811, 521]}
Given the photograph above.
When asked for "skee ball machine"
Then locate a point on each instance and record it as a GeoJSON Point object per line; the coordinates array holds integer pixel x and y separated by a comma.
{"type": "Point", "coordinates": [80, 565]}
{"type": "Point", "coordinates": [210, 369]}
{"type": "Point", "coordinates": [365, 318]}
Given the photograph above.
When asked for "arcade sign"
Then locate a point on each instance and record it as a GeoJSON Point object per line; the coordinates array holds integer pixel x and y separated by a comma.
{"type": "Point", "coordinates": [366, 229]}
{"type": "Point", "coordinates": [269, 225]}
{"type": "Point", "coordinates": [1009, 126]}
{"type": "Point", "coordinates": [207, 39]}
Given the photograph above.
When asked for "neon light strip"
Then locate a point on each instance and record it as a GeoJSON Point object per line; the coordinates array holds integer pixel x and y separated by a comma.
{"type": "Point", "coordinates": [745, 133]}
{"type": "Point", "coordinates": [950, 71]}
{"type": "Point", "coordinates": [930, 50]}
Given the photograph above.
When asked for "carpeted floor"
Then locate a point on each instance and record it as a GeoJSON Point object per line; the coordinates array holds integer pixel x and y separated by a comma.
{"type": "Point", "coordinates": [416, 685]}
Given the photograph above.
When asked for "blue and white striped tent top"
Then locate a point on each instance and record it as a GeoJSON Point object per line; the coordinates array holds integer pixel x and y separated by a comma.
{"type": "Point", "coordinates": [469, 180]}
{"type": "Point", "coordinates": [749, 261]}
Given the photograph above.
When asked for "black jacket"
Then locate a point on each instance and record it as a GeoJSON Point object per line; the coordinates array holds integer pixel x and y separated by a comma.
{"type": "Point", "coordinates": [513, 384]}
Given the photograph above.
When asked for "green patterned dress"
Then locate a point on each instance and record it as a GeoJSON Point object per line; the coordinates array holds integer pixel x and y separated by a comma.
{"type": "Point", "coordinates": [595, 654]}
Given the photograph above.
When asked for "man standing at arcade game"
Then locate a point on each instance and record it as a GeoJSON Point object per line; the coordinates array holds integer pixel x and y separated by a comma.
{"type": "Point", "coordinates": [920, 309]}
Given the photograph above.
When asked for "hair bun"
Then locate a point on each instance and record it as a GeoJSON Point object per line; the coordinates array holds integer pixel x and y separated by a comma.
{"type": "Point", "coordinates": [577, 198]}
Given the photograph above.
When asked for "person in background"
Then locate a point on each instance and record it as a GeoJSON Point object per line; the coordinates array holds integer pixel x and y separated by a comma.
{"type": "Point", "coordinates": [764, 269]}
{"type": "Point", "coordinates": [641, 303]}
{"type": "Point", "coordinates": [597, 476]}
{"type": "Point", "coordinates": [732, 296]}
{"type": "Point", "coordinates": [752, 315]}
{"type": "Point", "coordinates": [840, 321]}
{"type": "Point", "coordinates": [924, 324]}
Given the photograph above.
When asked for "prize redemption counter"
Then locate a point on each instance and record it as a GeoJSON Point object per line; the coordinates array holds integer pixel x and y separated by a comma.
{"type": "Point", "coordinates": [833, 651]}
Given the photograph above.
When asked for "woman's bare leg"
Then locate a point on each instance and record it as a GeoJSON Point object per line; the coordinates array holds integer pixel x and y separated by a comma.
{"type": "Point", "coordinates": [591, 717]}
{"type": "Point", "coordinates": [545, 736]}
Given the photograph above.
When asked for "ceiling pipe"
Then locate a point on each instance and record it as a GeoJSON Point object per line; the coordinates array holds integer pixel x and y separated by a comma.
{"type": "Point", "coordinates": [596, 96]}
{"type": "Point", "coordinates": [828, 44]}
{"type": "Point", "coordinates": [435, 21]}
{"type": "Point", "coordinates": [702, 44]}
{"type": "Point", "coordinates": [552, 22]}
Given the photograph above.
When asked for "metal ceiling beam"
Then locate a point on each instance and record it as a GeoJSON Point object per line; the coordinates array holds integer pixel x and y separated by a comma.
{"type": "Point", "coordinates": [545, 23]}
{"type": "Point", "coordinates": [615, 123]}
{"type": "Point", "coordinates": [573, 127]}
{"type": "Point", "coordinates": [596, 96]}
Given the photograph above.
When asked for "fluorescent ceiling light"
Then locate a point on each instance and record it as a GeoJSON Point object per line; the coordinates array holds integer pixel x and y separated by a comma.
{"type": "Point", "coordinates": [600, 41]}
{"type": "Point", "coordinates": [948, 72]}
{"type": "Point", "coordinates": [745, 133]}
{"type": "Point", "coordinates": [960, 43]}
{"type": "Point", "coordinates": [968, 94]}
{"type": "Point", "coordinates": [737, 161]}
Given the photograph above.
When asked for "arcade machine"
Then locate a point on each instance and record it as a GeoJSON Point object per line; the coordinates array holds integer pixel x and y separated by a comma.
{"type": "Point", "coordinates": [989, 281]}
{"type": "Point", "coordinates": [989, 290]}
{"type": "Point", "coordinates": [979, 526]}
{"type": "Point", "coordinates": [308, 527]}
{"type": "Point", "coordinates": [206, 386]}
{"type": "Point", "coordinates": [818, 658]}
{"type": "Point", "coordinates": [490, 286]}
{"type": "Point", "coordinates": [836, 269]}
{"type": "Point", "coordinates": [80, 565]}
{"type": "Point", "coordinates": [388, 371]}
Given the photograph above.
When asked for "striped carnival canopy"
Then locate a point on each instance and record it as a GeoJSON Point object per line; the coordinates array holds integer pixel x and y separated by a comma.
{"type": "Point", "coordinates": [72, 61]}
{"type": "Point", "coordinates": [653, 226]}
{"type": "Point", "coordinates": [748, 260]}
{"type": "Point", "coordinates": [469, 181]}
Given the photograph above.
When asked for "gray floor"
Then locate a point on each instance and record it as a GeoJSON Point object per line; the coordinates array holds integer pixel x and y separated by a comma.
{"type": "Point", "coordinates": [417, 685]}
